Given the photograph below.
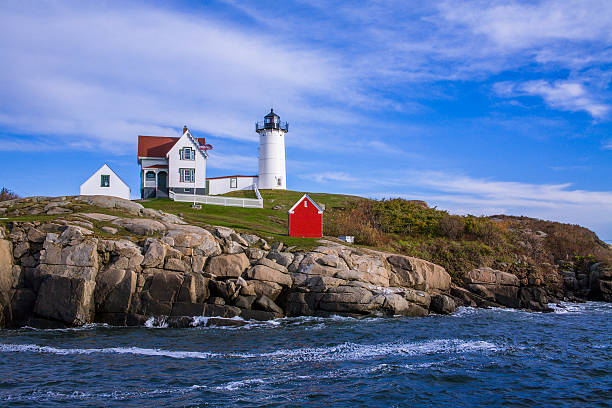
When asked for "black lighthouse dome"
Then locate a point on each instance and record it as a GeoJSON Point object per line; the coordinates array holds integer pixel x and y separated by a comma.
{"type": "Point", "coordinates": [272, 121]}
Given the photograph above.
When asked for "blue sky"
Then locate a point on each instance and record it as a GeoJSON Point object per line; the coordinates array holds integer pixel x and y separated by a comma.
{"type": "Point", "coordinates": [477, 107]}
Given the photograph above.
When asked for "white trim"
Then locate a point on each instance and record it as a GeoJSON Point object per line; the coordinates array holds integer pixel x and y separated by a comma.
{"type": "Point", "coordinates": [309, 199]}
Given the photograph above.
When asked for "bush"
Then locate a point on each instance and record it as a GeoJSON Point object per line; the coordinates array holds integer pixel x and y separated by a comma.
{"type": "Point", "coordinates": [6, 194]}
{"type": "Point", "coordinates": [451, 226]}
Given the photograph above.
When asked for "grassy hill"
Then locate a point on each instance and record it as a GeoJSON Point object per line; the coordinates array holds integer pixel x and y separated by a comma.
{"type": "Point", "coordinates": [269, 222]}
{"type": "Point", "coordinates": [530, 248]}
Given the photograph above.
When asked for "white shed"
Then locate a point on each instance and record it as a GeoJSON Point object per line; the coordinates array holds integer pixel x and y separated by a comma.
{"type": "Point", "coordinates": [105, 182]}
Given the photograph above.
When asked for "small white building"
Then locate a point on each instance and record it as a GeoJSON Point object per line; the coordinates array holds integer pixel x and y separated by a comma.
{"type": "Point", "coordinates": [226, 184]}
{"type": "Point", "coordinates": [105, 182]}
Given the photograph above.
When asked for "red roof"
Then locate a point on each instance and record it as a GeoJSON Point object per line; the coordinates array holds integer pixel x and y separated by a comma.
{"type": "Point", "coordinates": [215, 178]}
{"type": "Point", "coordinates": [157, 146]}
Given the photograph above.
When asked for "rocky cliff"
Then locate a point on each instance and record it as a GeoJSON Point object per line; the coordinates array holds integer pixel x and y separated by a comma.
{"type": "Point", "coordinates": [99, 259]}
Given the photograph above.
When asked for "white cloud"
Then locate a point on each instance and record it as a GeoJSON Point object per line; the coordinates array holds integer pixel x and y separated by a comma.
{"type": "Point", "coordinates": [527, 24]}
{"type": "Point", "coordinates": [329, 176]}
{"type": "Point", "coordinates": [234, 162]}
{"type": "Point", "coordinates": [563, 95]}
{"type": "Point", "coordinates": [111, 73]}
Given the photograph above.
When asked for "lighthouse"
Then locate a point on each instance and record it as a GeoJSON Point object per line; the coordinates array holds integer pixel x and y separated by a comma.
{"type": "Point", "coordinates": [272, 173]}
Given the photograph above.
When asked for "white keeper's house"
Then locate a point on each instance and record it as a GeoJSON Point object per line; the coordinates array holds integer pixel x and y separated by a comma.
{"type": "Point", "coordinates": [178, 164]}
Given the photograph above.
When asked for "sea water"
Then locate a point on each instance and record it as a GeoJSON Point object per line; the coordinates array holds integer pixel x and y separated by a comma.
{"type": "Point", "coordinates": [475, 357]}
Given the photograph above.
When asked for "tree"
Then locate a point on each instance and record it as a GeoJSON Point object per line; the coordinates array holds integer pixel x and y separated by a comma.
{"type": "Point", "coordinates": [6, 194]}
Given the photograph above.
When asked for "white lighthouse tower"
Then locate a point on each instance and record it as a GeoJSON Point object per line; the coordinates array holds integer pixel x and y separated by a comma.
{"type": "Point", "coordinates": [272, 173]}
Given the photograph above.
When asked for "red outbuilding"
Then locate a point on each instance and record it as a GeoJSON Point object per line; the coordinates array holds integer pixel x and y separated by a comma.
{"type": "Point", "coordinates": [306, 219]}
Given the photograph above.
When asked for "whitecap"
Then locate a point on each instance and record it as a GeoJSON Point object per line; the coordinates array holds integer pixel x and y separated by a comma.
{"type": "Point", "coordinates": [33, 348]}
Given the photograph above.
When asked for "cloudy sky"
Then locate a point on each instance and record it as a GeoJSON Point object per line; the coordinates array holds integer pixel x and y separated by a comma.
{"type": "Point", "coordinates": [477, 107]}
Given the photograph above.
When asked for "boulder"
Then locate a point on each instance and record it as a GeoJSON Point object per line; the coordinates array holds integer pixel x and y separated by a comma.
{"type": "Point", "coordinates": [490, 276]}
{"type": "Point", "coordinates": [112, 203]}
{"type": "Point", "coordinates": [225, 289]}
{"type": "Point", "coordinates": [272, 264]}
{"type": "Point", "coordinates": [114, 290]}
{"type": "Point", "coordinates": [22, 305]}
{"type": "Point", "coordinates": [140, 226]}
{"type": "Point", "coordinates": [265, 303]}
{"type": "Point", "coordinates": [228, 266]}
{"type": "Point", "coordinates": [442, 304]}
{"type": "Point", "coordinates": [191, 236]}
{"type": "Point", "coordinates": [77, 253]}
{"type": "Point", "coordinates": [282, 258]}
{"type": "Point", "coordinates": [267, 274]}
{"type": "Point", "coordinates": [418, 273]}
{"type": "Point", "coordinates": [245, 302]}
{"type": "Point", "coordinates": [222, 322]}
{"type": "Point", "coordinates": [99, 217]}
{"type": "Point", "coordinates": [269, 289]}
{"type": "Point", "coordinates": [176, 264]}
{"type": "Point", "coordinates": [69, 300]}
{"type": "Point", "coordinates": [109, 230]}
{"type": "Point", "coordinates": [260, 315]}
{"type": "Point", "coordinates": [187, 309]}
{"type": "Point", "coordinates": [155, 254]}
{"type": "Point", "coordinates": [6, 265]}
{"type": "Point", "coordinates": [255, 254]}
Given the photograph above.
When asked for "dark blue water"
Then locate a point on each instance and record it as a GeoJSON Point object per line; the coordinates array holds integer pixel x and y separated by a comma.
{"type": "Point", "coordinates": [476, 357]}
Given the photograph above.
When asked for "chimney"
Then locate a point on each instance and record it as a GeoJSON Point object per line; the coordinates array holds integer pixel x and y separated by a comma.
{"type": "Point", "coordinates": [184, 129]}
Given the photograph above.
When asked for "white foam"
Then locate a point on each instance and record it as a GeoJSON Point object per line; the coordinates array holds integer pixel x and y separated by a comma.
{"type": "Point", "coordinates": [352, 351]}
{"type": "Point", "coordinates": [40, 396]}
{"type": "Point", "coordinates": [341, 352]}
{"type": "Point", "coordinates": [156, 322]}
{"type": "Point", "coordinates": [32, 348]}
{"type": "Point", "coordinates": [234, 385]}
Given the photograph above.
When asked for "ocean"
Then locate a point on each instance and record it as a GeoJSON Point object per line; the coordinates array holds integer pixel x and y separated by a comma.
{"type": "Point", "coordinates": [475, 357]}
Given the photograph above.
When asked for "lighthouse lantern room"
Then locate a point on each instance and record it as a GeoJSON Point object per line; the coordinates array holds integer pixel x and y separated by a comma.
{"type": "Point", "coordinates": [272, 172]}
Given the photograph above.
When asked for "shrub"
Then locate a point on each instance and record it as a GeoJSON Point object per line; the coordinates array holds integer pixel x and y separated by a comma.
{"type": "Point", "coordinates": [451, 226]}
{"type": "Point", "coordinates": [6, 194]}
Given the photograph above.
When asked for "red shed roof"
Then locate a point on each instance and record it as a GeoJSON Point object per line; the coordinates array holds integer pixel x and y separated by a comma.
{"type": "Point", "coordinates": [158, 146]}
{"type": "Point", "coordinates": [305, 197]}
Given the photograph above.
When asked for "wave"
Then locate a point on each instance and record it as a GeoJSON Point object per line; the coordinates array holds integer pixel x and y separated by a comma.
{"type": "Point", "coordinates": [32, 348]}
{"type": "Point", "coordinates": [353, 351]}
{"type": "Point", "coordinates": [40, 396]}
{"type": "Point", "coordinates": [341, 352]}
{"type": "Point", "coordinates": [581, 308]}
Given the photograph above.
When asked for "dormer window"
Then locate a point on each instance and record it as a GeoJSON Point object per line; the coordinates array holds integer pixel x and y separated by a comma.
{"type": "Point", "coordinates": [187, 153]}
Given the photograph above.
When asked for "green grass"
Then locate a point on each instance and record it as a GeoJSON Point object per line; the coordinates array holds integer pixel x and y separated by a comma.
{"type": "Point", "coordinates": [267, 222]}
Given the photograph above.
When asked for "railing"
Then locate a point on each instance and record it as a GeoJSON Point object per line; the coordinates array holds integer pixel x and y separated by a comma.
{"type": "Point", "coordinates": [257, 193]}
{"type": "Point", "coordinates": [217, 200]}
{"type": "Point", "coordinates": [278, 125]}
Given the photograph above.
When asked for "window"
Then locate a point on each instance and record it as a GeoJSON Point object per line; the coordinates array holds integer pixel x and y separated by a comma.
{"type": "Point", "coordinates": [187, 153]}
{"type": "Point", "coordinates": [279, 182]}
{"type": "Point", "coordinates": [305, 203]}
{"type": "Point", "coordinates": [233, 182]}
{"type": "Point", "coordinates": [150, 175]}
{"type": "Point", "coordinates": [186, 190]}
{"type": "Point", "coordinates": [104, 180]}
{"type": "Point", "coordinates": [187, 175]}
